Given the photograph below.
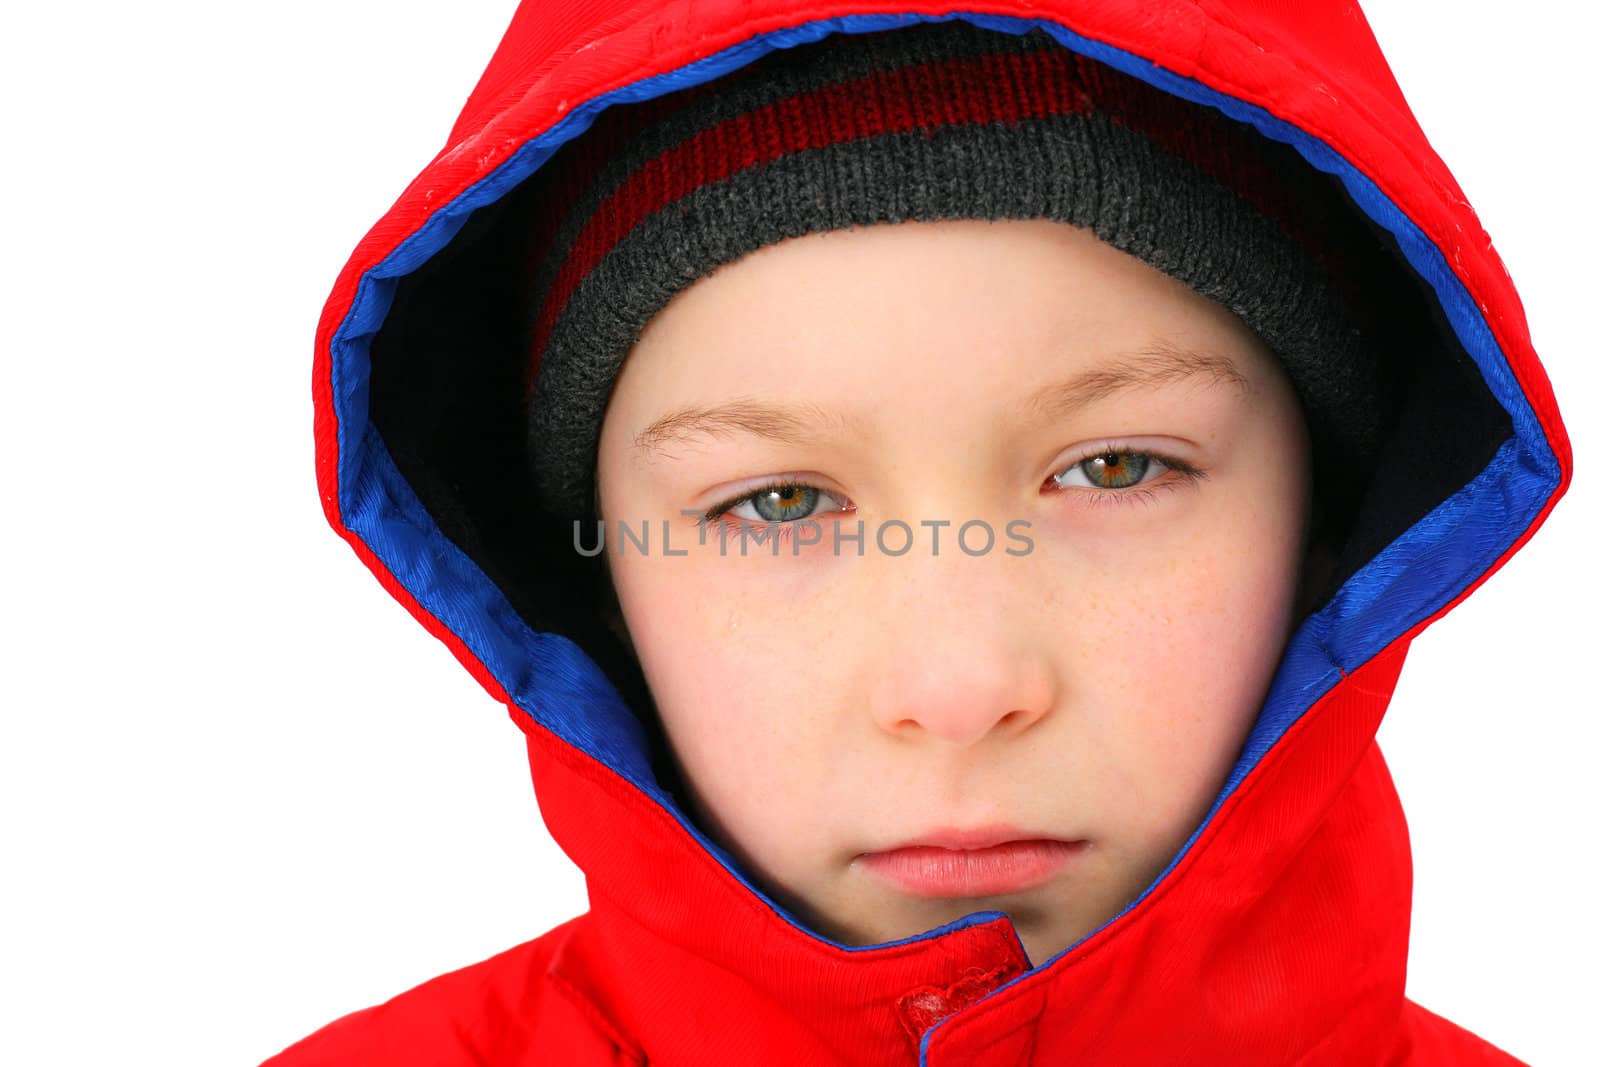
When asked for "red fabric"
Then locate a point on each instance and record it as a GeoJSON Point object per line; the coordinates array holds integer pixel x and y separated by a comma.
{"type": "Point", "coordinates": [1279, 939]}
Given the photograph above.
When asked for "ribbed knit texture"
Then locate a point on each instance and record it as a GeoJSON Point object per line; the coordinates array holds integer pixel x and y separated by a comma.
{"type": "Point", "coordinates": [933, 121]}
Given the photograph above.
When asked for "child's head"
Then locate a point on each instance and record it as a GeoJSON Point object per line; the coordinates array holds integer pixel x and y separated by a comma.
{"type": "Point", "coordinates": [1094, 686]}
{"type": "Point", "coordinates": [1084, 490]}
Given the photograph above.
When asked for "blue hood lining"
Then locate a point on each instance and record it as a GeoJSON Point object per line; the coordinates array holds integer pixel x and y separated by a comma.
{"type": "Point", "coordinates": [549, 676]}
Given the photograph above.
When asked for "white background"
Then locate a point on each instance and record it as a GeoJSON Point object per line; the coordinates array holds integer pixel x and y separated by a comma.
{"type": "Point", "coordinates": [244, 793]}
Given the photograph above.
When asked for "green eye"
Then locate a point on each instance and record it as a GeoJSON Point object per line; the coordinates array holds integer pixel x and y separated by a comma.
{"type": "Point", "coordinates": [777, 503]}
{"type": "Point", "coordinates": [781, 503]}
{"type": "Point", "coordinates": [1115, 469]}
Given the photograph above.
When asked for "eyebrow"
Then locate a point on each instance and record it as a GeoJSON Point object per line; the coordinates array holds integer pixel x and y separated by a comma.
{"type": "Point", "coordinates": [1157, 364]}
{"type": "Point", "coordinates": [792, 424]}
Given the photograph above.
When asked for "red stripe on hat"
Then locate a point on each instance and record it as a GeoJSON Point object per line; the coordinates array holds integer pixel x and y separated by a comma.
{"type": "Point", "coordinates": [910, 98]}
{"type": "Point", "coordinates": [1005, 88]}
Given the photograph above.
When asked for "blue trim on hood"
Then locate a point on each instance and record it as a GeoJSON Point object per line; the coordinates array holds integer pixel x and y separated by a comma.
{"type": "Point", "coordinates": [561, 687]}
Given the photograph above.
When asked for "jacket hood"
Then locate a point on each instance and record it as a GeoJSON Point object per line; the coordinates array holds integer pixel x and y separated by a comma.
{"type": "Point", "coordinates": [1278, 933]}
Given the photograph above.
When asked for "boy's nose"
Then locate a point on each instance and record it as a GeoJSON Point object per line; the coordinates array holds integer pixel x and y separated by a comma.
{"type": "Point", "coordinates": [964, 703]}
{"type": "Point", "coordinates": [977, 682]}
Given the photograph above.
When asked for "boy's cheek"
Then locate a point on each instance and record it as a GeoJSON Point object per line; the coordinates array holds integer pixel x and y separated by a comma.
{"type": "Point", "coordinates": [749, 671]}
{"type": "Point", "coordinates": [1128, 540]}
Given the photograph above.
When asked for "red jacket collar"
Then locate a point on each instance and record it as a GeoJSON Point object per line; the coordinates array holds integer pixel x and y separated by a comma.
{"type": "Point", "coordinates": [1279, 938]}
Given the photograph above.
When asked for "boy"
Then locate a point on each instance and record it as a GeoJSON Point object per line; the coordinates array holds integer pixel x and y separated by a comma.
{"type": "Point", "coordinates": [1021, 469]}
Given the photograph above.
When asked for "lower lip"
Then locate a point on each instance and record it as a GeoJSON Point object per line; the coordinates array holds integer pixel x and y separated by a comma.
{"type": "Point", "coordinates": [976, 872]}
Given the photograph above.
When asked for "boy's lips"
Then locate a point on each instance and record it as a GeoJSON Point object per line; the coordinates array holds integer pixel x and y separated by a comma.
{"type": "Point", "coordinates": [972, 863]}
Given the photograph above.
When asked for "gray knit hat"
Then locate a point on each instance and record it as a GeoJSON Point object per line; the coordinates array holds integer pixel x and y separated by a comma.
{"type": "Point", "coordinates": [935, 121]}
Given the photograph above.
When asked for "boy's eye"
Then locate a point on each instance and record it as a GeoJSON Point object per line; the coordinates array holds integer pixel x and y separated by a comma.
{"type": "Point", "coordinates": [786, 502]}
{"type": "Point", "coordinates": [1112, 469]}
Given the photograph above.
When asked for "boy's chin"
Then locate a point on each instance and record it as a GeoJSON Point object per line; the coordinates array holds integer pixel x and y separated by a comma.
{"type": "Point", "coordinates": [1046, 924]}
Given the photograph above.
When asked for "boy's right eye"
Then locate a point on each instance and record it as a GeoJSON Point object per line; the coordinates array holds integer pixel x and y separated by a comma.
{"type": "Point", "coordinates": [775, 503]}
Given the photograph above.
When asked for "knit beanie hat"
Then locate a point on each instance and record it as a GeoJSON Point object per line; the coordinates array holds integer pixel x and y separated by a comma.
{"type": "Point", "coordinates": [935, 121]}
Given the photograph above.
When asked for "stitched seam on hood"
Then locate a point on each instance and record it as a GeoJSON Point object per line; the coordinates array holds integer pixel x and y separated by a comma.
{"type": "Point", "coordinates": [595, 1017]}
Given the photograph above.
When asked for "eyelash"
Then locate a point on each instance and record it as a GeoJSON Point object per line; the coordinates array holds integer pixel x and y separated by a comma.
{"type": "Point", "coordinates": [785, 530]}
{"type": "Point", "coordinates": [1141, 493]}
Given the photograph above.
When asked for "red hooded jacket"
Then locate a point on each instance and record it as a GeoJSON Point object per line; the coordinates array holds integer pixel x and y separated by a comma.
{"type": "Point", "coordinates": [1278, 935]}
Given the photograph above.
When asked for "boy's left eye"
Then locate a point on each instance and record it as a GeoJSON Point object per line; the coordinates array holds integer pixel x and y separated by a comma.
{"type": "Point", "coordinates": [1111, 469]}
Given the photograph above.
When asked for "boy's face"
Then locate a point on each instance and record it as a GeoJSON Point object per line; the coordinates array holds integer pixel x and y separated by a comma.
{"type": "Point", "coordinates": [1089, 676]}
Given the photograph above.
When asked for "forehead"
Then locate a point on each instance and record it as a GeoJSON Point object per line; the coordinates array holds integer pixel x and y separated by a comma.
{"type": "Point", "coordinates": [1158, 366]}
{"type": "Point", "coordinates": [1033, 317]}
